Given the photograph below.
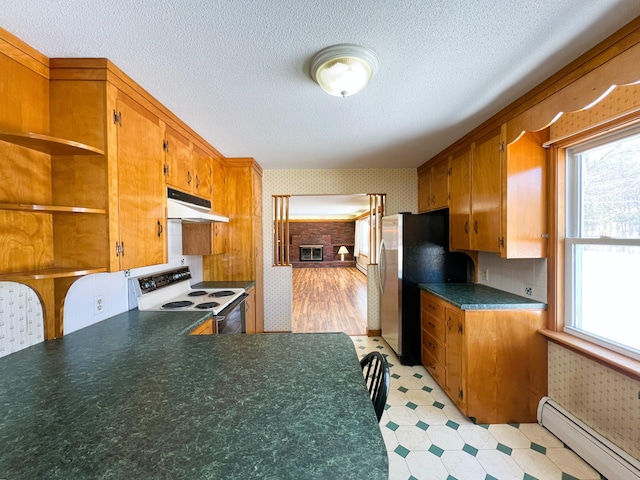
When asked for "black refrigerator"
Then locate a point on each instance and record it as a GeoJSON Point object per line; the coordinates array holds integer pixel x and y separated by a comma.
{"type": "Point", "coordinates": [413, 250]}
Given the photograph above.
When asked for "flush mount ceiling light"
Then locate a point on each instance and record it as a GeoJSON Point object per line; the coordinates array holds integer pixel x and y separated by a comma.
{"type": "Point", "coordinates": [344, 69]}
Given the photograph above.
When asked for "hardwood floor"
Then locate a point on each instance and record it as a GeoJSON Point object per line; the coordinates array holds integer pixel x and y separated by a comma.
{"type": "Point", "coordinates": [329, 300]}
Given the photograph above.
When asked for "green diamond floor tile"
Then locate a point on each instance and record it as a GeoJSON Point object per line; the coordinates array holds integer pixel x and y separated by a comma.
{"type": "Point", "coordinates": [504, 449]}
{"type": "Point", "coordinates": [402, 451]}
{"type": "Point", "coordinates": [529, 477]}
{"type": "Point", "coordinates": [421, 425]}
{"type": "Point", "coordinates": [412, 478]}
{"type": "Point", "coordinates": [392, 426]}
{"type": "Point", "coordinates": [451, 477]}
{"type": "Point", "coordinates": [427, 389]}
{"type": "Point", "coordinates": [438, 405]}
{"type": "Point", "coordinates": [403, 390]}
{"type": "Point", "coordinates": [538, 448]}
{"type": "Point", "coordinates": [395, 375]}
{"type": "Point", "coordinates": [417, 375]}
{"type": "Point", "coordinates": [483, 425]}
{"type": "Point", "coordinates": [452, 424]}
{"type": "Point", "coordinates": [515, 425]}
{"type": "Point", "coordinates": [437, 451]}
{"type": "Point", "coordinates": [490, 477]}
{"type": "Point", "coordinates": [411, 405]}
{"type": "Point", "coordinates": [470, 450]}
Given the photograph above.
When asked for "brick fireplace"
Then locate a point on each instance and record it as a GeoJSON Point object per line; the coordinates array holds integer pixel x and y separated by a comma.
{"type": "Point", "coordinates": [327, 237]}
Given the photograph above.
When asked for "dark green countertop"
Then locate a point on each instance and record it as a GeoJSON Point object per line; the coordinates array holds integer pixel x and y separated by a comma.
{"type": "Point", "coordinates": [133, 397]}
{"type": "Point", "coordinates": [473, 296]}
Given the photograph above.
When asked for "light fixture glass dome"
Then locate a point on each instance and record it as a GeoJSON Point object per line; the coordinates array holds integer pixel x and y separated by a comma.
{"type": "Point", "coordinates": [344, 69]}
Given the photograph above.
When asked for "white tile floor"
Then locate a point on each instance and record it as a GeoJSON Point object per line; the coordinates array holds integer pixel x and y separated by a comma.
{"type": "Point", "coordinates": [428, 438]}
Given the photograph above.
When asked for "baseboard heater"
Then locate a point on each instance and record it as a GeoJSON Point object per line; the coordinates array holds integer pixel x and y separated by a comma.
{"type": "Point", "coordinates": [608, 459]}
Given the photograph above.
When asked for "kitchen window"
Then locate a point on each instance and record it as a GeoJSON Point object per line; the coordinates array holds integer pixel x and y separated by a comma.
{"type": "Point", "coordinates": [363, 238]}
{"type": "Point", "coordinates": [602, 244]}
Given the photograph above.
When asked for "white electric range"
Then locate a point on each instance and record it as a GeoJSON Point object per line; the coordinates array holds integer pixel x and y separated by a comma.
{"type": "Point", "coordinates": [170, 291]}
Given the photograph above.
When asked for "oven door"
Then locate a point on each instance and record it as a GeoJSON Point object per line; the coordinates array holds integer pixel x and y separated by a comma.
{"type": "Point", "coordinates": [232, 318]}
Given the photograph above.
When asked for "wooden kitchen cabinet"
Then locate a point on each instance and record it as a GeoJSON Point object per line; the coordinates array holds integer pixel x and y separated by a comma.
{"type": "Point", "coordinates": [491, 363]}
{"type": "Point", "coordinates": [140, 190]}
{"type": "Point", "coordinates": [186, 166]}
{"type": "Point", "coordinates": [203, 173]}
{"type": "Point", "coordinates": [433, 187]}
{"type": "Point", "coordinates": [243, 259]}
{"type": "Point", "coordinates": [208, 327]}
{"type": "Point", "coordinates": [460, 201]}
{"type": "Point", "coordinates": [498, 196]}
{"type": "Point", "coordinates": [50, 217]}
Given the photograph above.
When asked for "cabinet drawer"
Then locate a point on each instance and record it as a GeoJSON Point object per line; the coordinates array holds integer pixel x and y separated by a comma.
{"type": "Point", "coordinates": [436, 370]}
{"type": "Point", "coordinates": [431, 306]}
{"type": "Point", "coordinates": [435, 348]}
{"type": "Point", "coordinates": [433, 326]}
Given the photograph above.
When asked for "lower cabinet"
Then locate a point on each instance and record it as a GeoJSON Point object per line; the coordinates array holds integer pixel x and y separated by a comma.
{"type": "Point", "coordinates": [208, 327]}
{"type": "Point", "coordinates": [491, 363]}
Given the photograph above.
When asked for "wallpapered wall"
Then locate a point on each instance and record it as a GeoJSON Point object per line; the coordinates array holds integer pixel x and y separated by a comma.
{"type": "Point", "coordinates": [604, 399]}
{"type": "Point", "coordinates": [399, 184]}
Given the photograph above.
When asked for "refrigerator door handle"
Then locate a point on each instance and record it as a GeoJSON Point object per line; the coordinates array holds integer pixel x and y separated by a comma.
{"type": "Point", "coordinates": [382, 267]}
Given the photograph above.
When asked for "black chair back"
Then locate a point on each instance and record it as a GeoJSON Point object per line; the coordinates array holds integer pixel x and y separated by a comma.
{"type": "Point", "coordinates": [376, 374]}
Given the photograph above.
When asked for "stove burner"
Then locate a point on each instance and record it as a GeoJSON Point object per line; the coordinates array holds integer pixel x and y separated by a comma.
{"type": "Point", "coordinates": [196, 293]}
{"type": "Point", "coordinates": [179, 304]}
{"type": "Point", "coordinates": [222, 293]}
{"type": "Point", "coordinates": [206, 305]}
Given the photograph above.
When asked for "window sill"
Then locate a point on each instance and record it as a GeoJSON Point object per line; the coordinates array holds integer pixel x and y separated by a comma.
{"type": "Point", "coordinates": [616, 361]}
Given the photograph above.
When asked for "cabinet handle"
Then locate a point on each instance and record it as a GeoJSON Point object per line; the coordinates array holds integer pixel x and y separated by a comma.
{"type": "Point", "coordinates": [197, 182]}
{"type": "Point", "coordinates": [466, 226]}
{"type": "Point", "coordinates": [432, 345]}
{"type": "Point", "coordinates": [160, 229]}
{"type": "Point", "coordinates": [432, 325]}
{"type": "Point", "coordinates": [189, 177]}
{"type": "Point", "coordinates": [122, 248]}
{"type": "Point", "coordinates": [432, 367]}
{"type": "Point", "coordinates": [475, 226]}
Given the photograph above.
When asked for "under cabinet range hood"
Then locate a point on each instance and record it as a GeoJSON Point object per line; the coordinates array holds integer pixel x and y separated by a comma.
{"type": "Point", "coordinates": [190, 209]}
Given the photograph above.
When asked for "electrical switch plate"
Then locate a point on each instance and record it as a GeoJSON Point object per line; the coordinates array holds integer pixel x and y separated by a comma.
{"type": "Point", "coordinates": [485, 274]}
{"type": "Point", "coordinates": [98, 304]}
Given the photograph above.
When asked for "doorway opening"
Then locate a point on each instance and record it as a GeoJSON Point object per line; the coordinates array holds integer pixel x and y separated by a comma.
{"type": "Point", "coordinates": [329, 287]}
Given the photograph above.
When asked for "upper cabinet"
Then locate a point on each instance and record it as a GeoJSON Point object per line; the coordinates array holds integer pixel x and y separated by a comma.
{"type": "Point", "coordinates": [433, 187]}
{"type": "Point", "coordinates": [498, 196]}
{"type": "Point", "coordinates": [142, 197]}
{"type": "Point", "coordinates": [186, 167]}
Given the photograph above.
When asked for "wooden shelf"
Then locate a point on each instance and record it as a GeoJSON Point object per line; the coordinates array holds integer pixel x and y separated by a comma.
{"type": "Point", "coordinates": [47, 273]}
{"type": "Point", "coordinates": [48, 144]}
{"type": "Point", "coordinates": [24, 207]}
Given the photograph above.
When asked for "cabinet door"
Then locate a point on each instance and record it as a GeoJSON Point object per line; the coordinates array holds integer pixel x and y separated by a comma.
{"type": "Point", "coordinates": [440, 186]}
{"type": "Point", "coordinates": [486, 160]}
{"type": "Point", "coordinates": [201, 161]}
{"type": "Point", "coordinates": [178, 169]}
{"type": "Point", "coordinates": [453, 357]}
{"type": "Point", "coordinates": [219, 205]}
{"type": "Point", "coordinates": [424, 191]}
{"type": "Point", "coordinates": [460, 201]}
{"type": "Point", "coordinates": [141, 190]}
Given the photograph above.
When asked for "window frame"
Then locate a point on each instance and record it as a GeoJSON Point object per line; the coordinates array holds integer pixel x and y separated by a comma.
{"type": "Point", "coordinates": [555, 332]}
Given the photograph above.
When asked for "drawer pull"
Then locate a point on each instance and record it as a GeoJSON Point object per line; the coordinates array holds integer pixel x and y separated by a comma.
{"type": "Point", "coordinates": [432, 325]}
{"type": "Point", "coordinates": [432, 345]}
{"type": "Point", "coordinates": [432, 367]}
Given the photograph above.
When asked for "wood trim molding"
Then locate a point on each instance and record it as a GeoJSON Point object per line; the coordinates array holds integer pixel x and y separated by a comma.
{"type": "Point", "coordinates": [16, 49]}
{"type": "Point", "coordinates": [102, 69]}
{"type": "Point", "coordinates": [617, 44]}
{"type": "Point", "coordinates": [616, 361]}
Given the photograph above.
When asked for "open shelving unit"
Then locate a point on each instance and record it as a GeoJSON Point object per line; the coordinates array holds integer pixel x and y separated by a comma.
{"type": "Point", "coordinates": [31, 229]}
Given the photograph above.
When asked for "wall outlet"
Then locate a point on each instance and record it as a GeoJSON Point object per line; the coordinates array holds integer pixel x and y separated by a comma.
{"type": "Point", "coordinates": [485, 274]}
{"type": "Point", "coordinates": [98, 304]}
{"type": "Point", "coordinates": [528, 290]}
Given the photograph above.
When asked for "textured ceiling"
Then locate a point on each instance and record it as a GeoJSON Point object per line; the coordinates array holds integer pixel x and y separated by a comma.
{"type": "Point", "coordinates": [237, 71]}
